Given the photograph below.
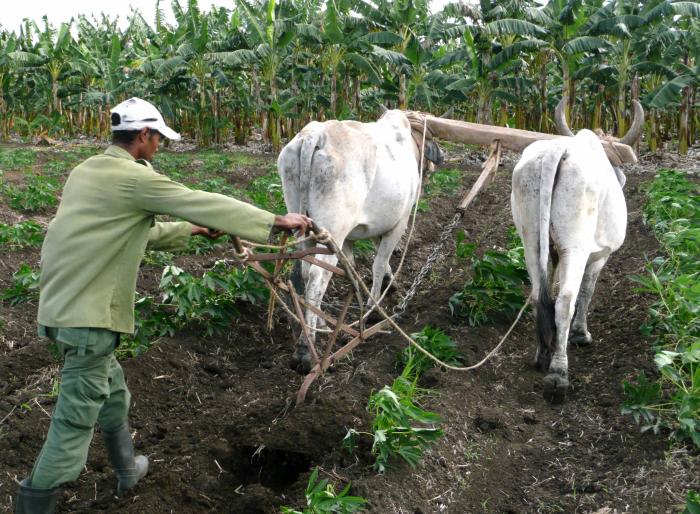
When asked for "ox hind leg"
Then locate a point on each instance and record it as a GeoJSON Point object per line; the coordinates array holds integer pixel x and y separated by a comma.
{"type": "Point", "coordinates": [317, 280]}
{"type": "Point", "coordinates": [381, 270]}
{"type": "Point", "coordinates": [579, 326]}
{"type": "Point", "coordinates": [571, 269]}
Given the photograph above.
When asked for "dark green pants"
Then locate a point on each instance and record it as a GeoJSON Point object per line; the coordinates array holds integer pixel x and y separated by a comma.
{"type": "Point", "coordinates": [92, 391]}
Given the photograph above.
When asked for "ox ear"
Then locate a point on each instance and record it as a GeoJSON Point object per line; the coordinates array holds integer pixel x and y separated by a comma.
{"type": "Point", "coordinates": [434, 153]}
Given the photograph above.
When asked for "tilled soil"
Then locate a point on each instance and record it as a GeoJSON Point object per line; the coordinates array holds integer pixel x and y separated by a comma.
{"type": "Point", "coordinates": [216, 417]}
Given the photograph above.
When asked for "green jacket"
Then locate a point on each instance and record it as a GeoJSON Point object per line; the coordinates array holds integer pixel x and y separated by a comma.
{"type": "Point", "coordinates": [105, 222]}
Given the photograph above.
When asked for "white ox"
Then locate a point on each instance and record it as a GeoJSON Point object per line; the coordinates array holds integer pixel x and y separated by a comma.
{"type": "Point", "coordinates": [569, 209]}
{"type": "Point", "coordinates": [358, 181]}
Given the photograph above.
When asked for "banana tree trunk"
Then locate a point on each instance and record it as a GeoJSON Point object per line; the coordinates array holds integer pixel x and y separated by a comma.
{"type": "Point", "coordinates": [683, 127]}
{"type": "Point", "coordinates": [402, 91]}
{"type": "Point", "coordinates": [334, 93]}
{"type": "Point", "coordinates": [4, 122]}
{"type": "Point", "coordinates": [652, 141]}
{"type": "Point", "coordinates": [623, 75]}
{"type": "Point", "coordinates": [356, 96]}
{"type": "Point", "coordinates": [692, 119]}
{"type": "Point", "coordinates": [598, 108]}
{"type": "Point", "coordinates": [635, 97]}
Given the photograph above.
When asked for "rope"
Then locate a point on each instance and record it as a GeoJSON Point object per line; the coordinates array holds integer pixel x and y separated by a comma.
{"type": "Point", "coordinates": [349, 267]}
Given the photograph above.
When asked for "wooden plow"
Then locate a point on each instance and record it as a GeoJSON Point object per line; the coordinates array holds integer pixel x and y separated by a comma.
{"type": "Point", "coordinates": [497, 138]}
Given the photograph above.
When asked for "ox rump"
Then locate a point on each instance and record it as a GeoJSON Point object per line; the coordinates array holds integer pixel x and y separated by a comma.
{"type": "Point", "coordinates": [358, 181]}
{"type": "Point", "coordinates": [569, 209]}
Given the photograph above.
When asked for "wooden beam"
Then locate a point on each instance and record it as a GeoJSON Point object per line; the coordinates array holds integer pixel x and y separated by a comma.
{"type": "Point", "coordinates": [512, 139]}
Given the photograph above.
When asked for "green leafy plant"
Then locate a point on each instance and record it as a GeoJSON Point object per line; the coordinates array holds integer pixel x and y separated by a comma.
{"type": "Point", "coordinates": [692, 503]}
{"type": "Point", "coordinates": [16, 159]}
{"type": "Point", "coordinates": [209, 300]}
{"type": "Point", "coordinates": [38, 193]}
{"type": "Point", "coordinates": [266, 193]}
{"type": "Point", "coordinates": [435, 341]}
{"type": "Point", "coordinates": [151, 322]}
{"type": "Point", "coordinates": [363, 247]}
{"type": "Point", "coordinates": [671, 401]}
{"type": "Point", "coordinates": [396, 430]}
{"type": "Point", "coordinates": [24, 287]}
{"type": "Point", "coordinates": [321, 498]}
{"type": "Point", "coordinates": [495, 288]}
{"type": "Point", "coordinates": [24, 233]}
{"type": "Point", "coordinates": [443, 181]}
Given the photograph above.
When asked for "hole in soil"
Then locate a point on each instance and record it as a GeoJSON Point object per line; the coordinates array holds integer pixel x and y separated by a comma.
{"type": "Point", "coordinates": [276, 469]}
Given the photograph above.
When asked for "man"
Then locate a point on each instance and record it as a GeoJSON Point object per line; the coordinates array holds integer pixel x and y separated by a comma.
{"type": "Point", "coordinates": [89, 263]}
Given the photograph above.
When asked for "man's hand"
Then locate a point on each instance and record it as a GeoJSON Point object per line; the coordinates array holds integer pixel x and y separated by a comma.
{"type": "Point", "coordinates": [293, 221]}
{"type": "Point", "coordinates": [209, 233]}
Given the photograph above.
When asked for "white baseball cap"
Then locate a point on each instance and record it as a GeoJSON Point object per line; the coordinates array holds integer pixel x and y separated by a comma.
{"type": "Point", "coordinates": [135, 114]}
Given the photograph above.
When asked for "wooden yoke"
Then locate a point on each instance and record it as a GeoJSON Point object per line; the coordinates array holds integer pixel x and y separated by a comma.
{"type": "Point", "coordinates": [512, 139]}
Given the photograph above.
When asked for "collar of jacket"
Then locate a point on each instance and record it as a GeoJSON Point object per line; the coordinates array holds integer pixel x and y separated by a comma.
{"type": "Point", "coordinates": [120, 153]}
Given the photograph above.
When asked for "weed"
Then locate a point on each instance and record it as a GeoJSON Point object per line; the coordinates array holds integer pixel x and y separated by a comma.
{"type": "Point", "coordinates": [217, 185]}
{"type": "Point", "coordinates": [437, 343]}
{"type": "Point", "coordinates": [55, 388]}
{"type": "Point", "coordinates": [38, 193]}
{"type": "Point", "coordinates": [692, 503]}
{"type": "Point", "coordinates": [266, 193]}
{"type": "Point", "coordinates": [443, 181]}
{"type": "Point", "coordinates": [157, 258]}
{"type": "Point", "coordinates": [202, 245]}
{"type": "Point", "coordinates": [672, 401]}
{"type": "Point", "coordinates": [363, 247]}
{"type": "Point", "coordinates": [24, 288]}
{"type": "Point", "coordinates": [321, 498]}
{"type": "Point", "coordinates": [16, 159]}
{"type": "Point", "coordinates": [19, 235]}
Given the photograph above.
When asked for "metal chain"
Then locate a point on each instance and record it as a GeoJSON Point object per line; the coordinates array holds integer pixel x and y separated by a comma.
{"type": "Point", "coordinates": [435, 254]}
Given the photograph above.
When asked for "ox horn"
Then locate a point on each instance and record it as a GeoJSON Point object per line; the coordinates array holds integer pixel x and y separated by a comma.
{"type": "Point", "coordinates": [560, 119]}
{"type": "Point", "coordinates": [449, 113]}
{"type": "Point", "coordinates": [637, 124]}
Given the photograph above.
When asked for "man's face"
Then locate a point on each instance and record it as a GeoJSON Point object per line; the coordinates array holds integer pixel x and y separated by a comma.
{"type": "Point", "coordinates": [147, 144]}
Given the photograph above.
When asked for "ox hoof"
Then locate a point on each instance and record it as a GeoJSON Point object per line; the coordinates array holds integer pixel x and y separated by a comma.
{"type": "Point", "coordinates": [555, 388]}
{"type": "Point", "coordinates": [301, 362]}
{"type": "Point", "coordinates": [387, 282]}
{"type": "Point", "coordinates": [581, 338]}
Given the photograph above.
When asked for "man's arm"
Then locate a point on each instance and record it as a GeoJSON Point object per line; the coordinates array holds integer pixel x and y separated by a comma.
{"type": "Point", "coordinates": [169, 236]}
{"type": "Point", "coordinates": [158, 194]}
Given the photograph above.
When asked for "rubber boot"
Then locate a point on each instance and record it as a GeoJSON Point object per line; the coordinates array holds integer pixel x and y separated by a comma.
{"type": "Point", "coordinates": [128, 467]}
{"type": "Point", "coordinates": [36, 501]}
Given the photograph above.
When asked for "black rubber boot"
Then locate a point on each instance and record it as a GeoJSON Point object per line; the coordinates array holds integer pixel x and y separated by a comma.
{"type": "Point", "coordinates": [128, 467]}
{"type": "Point", "coordinates": [36, 501]}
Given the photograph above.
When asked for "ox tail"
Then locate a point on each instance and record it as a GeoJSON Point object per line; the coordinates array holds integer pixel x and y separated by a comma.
{"type": "Point", "coordinates": [546, 326]}
{"type": "Point", "coordinates": [309, 145]}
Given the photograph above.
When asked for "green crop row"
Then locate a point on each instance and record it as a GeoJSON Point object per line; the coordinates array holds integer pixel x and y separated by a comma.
{"type": "Point", "coordinates": [671, 401]}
